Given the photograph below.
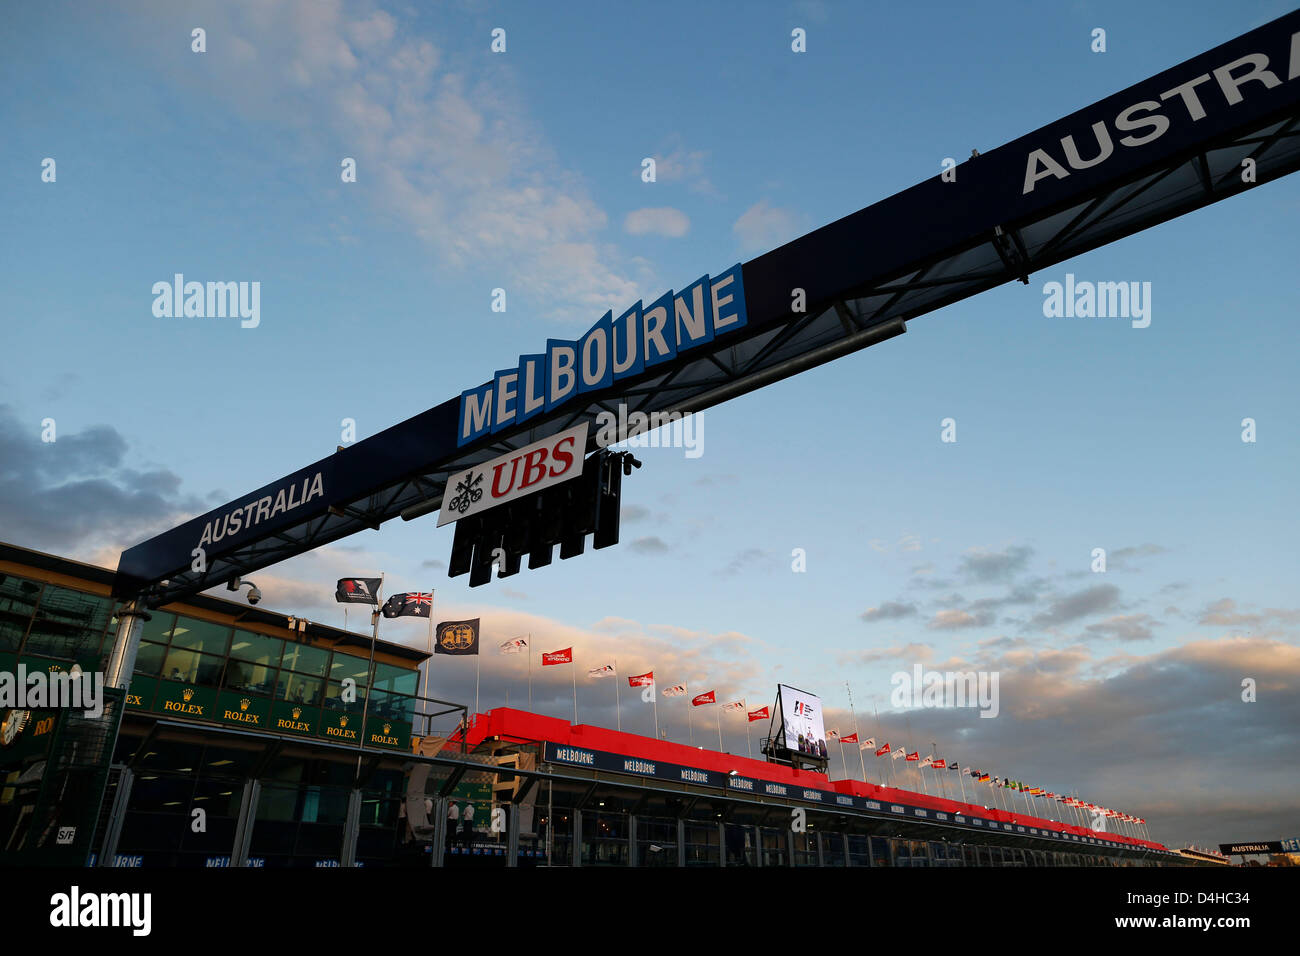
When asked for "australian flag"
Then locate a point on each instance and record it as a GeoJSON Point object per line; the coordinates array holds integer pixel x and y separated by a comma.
{"type": "Point", "coordinates": [357, 590]}
{"type": "Point", "coordinates": [409, 604]}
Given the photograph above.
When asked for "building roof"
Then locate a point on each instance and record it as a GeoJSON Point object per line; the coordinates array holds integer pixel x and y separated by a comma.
{"type": "Point", "coordinates": [244, 613]}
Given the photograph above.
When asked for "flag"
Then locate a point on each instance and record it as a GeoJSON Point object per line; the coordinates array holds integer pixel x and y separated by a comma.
{"type": "Point", "coordinates": [883, 750]}
{"type": "Point", "coordinates": [706, 698]}
{"type": "Point", "coordinates": [457, 637]}
{"type": "Point", "coordinates": [914, 756]}
{"type": "Point", "coordinates": [850, 739]}
{"type": "Point", "coordinates": [940, 765]}
{"type": "Point", "coordinates": [642, 680]}
{"type": "Point", "coordinates": [734, 705]}
{"type": "Point", "coordinates": [357, 590]}
{"type": "Point", "coordinates": [868, 744]}
{"type": "Point", "coordinates": [953, 766]}
{"type": "Point", "coordinates": [927, 762]}
{"type": "Point", "coordinates": [410, 604]}
{"type": "Point", "coordinates": [761, 714]}
{"type": "Point", "coordinates": [900, 752]}
{"type": "Point", "coordinates": [677, 690]}
{"type": "Point", "coordinates": [558, 657]}
{"type": "Point", "coordinates": [515, 645]}
{"type": "Point", "coordinates": [832, 735]}
{"type": "Point", "coordinates": [606, 670]}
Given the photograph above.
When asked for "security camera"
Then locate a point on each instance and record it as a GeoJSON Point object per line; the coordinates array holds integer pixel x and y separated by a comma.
{"type": "Point", "coordinates": [235, 583]}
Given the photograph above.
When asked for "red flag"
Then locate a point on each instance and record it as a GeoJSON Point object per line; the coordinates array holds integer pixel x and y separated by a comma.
{"type": "Point", "coordinates": [850, 739]}
{"type": "Point", "coordinates": [761, 714]}
{"type": "Point", "coordinates": [707, 698]}
{"type": "Point", "coordinates": [914, 755]}
{"type": "Point", "coordinates": [939, 765]}
{"type": "Point", "coordinates": [558, 657]}
{"type": "Point", "coordinates": [883, 750]}
{"type": "Point", "coordinates": [641, 680]}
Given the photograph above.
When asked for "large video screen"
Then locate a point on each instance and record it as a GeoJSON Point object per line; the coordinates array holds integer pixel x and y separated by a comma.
{"type": "Point", "coordinates": [801, 716]}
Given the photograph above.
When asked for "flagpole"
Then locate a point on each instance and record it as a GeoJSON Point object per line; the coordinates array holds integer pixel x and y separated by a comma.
{"type": "Point", "coordinates": [654, 703]}
{"type": "Point", "coordinates": [844, 761]}
{"type": "Point", "coordinates": [862, 760]}
{"type": "Point", "coordinates": [960, 779]}
{"type": "Point", "coordinates": [618, 713]}
{"type": "Point", "coordinates": [876, 710]}
{"type": "Point", "coordinates": [573, 664]}
{"type": "Point", "coordinates": [690, 705]}
{"type": "Point", "coordinates": [370, 673]}
{"type": "Point", "coordinates": [749, 739]}
{"type": "Point", "coordinates": [718, 714]}
{"type": "Point", "coordinates": [530, 671]}
{"type": "Point", "coordinates": [477, 659]}
{"type": "Point", "coordinates": [428, 647]}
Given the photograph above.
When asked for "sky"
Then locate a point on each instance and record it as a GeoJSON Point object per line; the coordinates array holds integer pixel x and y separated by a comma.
{"type": "Point", "coordinates": [522, 170]}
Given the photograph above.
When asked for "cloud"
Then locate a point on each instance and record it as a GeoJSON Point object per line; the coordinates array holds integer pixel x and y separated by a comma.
{"type": "Point", "coordinates": [445, 148]}
{"type": "Point", "coordinates": [763, 226]}
{"type": "Point", "coordinates": [659, 221]}
{"type": "Point", "coordinates": [951, 620]}
{"type": "Point", "coordinates": [1223, 613]}
{"type": "Point", "coordinates": [889, 611]}
{"type": "Point", "coordinates": [1120, 557]}
{"type": "Point", "coordinates": [1094, 600]}
{"type": "Point", "coordinates": [749, 558]}
{"type": "Point", "coordinates": [649, 545]}
{"type": "Point", "coordinates": [682, 165]}
{"type": "Point", "coordinates": [1130, 732]}
{"type": "Point", "coordinates": [1125, 627]}
{"type": "Point", "coordinates": [982, 567]}
{"type": "Point", "coordinates": [77, 496]}
{"type": "Point", "coordinates": [909, 652]}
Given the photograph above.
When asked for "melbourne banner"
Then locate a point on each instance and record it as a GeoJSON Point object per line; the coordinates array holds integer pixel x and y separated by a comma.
{"type": "Point", "coordinates": [611, 350]}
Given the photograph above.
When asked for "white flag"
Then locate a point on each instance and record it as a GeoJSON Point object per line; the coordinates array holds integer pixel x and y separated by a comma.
{"type": "Point", "coordinates": [927, 761]}
{"type": "Point", "coordinates": [515, 645]}
{"type": "Point", "coordinates": [606, 671]}
{"type": "Point", "coordinates": [677, 690]}
{"type": "Point", "coordinates": [900, 752]}
{"type": "Point", "coordinates": [734, 705]}
{"type": "Point", "coordinates": [868, 744]}
{"type": "Point", "coordinates": [832, 735]}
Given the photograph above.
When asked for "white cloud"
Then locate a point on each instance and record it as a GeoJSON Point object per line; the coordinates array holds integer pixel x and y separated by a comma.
{"type": "Point", "coordinates": [763, 226]}
{"type": "Point", "coordinates": [659, 221]}
{"type": "Point", "coordinates": [451, 154]}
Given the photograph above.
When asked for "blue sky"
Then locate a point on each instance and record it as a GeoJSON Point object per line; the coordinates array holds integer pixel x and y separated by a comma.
{"type": "Point", "coordinates": [520, 170]}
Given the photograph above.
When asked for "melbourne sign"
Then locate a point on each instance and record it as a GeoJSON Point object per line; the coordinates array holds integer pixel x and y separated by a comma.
{"type": "Point", "coordinates": [521, 472]}
{"type": "Point", "coordinates": [611, 350]}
